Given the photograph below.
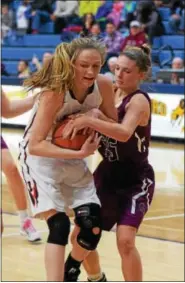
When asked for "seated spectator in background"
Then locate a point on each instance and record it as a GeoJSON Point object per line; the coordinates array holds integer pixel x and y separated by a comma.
{"type": "Point", "coordinates": [6, 21]}
{"type": "Point", "coordinates": [35, 61]}
{"type": "Point", "coordinates": [88, 21]}
{"type": "Point", "coordinates": [115, 14]}
{"type": "Point", "coordinates": [137, 37]}
{"type": "Point", "coordinates": [23, 69]}
{"type": "Point", "coordinates": [150, 19]}
{"type": "Point", "coordinates": [112, 66]}
{"type": "Point", "coordinates": [88, 6]}
{"type": "Point", "coordinates": [6, 2]}
{"type": "Point", "coordinates": [41, 12]}
{"type": "Point", "coordinates": [113, 39]}
{"type": "Point", "coordinates": [65, 13]}
{"type": "Point", "coordinates": [177, 64]}
{"type": "Point", "coordinates": [176, 21]}
{"type": "Point", "coordinates": [128, 13]}
{"type": "Point", "coordinates": [4, 71]}
{"type": "Point", "coordinates": [159, 3]}
{"type": "Point", "coordinates": [104, 9]}
{"type": "Point", "coordinates": [96, 32]}
{"type": "Point", "coordinates": [22, 20]}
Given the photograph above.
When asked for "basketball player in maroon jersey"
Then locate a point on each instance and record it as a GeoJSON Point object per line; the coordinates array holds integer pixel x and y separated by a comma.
{"type": "Point", "coordinates": [124, 179]}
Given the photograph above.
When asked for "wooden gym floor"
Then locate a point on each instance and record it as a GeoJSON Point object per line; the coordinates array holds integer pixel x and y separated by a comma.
{"type": "Point", "coordinates": [160, 238]}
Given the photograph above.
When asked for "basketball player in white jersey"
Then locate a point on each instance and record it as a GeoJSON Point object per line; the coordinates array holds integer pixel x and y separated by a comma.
{"type": "Point", "coordinates": [13, 108]}
{"type": "Point", "coordinates": [57, 178]}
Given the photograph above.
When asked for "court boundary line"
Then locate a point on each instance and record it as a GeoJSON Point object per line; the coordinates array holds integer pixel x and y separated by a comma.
{"type": "Point", "coordinates": [163, 217]}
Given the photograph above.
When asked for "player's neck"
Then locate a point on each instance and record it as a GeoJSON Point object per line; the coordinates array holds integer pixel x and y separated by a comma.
{"type": "Point", "coordinates": [79, 93]}
{"type": "Point", "coordinates": [127, 92]}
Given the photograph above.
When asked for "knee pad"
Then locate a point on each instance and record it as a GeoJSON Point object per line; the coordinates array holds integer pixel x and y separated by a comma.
{"type": "Point", "coordinates": [59, 229]}
{"type": "Point", "coordinates": [88, 218]}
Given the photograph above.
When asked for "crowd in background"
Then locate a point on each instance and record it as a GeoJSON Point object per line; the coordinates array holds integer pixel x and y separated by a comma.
{"type": "Point", "coordinates": [117, 23]}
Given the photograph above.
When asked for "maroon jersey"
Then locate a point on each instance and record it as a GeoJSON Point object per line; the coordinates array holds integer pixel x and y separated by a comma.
{"type": "Point", "coordinates": [124, 163]}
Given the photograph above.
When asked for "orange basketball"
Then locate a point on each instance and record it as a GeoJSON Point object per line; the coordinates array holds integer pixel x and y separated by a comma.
{"type": "Point", "coordinates": [75, 144]}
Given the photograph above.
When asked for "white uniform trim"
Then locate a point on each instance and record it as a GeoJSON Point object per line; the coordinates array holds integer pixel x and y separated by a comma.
{"type": "Point", "coordinates": [146, 184]}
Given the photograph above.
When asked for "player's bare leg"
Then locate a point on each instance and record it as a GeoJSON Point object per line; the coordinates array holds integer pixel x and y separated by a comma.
{"type": "Point", "coordinates": [16, 185]}
{"type": "Point", "coordinates": [131, 261]}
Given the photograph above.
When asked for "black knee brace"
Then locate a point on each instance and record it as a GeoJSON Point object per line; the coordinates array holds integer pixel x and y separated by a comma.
{"type": "Point", "coordinates": [88, 217]}
{"type": "Point", "coordinates": [59, 229]}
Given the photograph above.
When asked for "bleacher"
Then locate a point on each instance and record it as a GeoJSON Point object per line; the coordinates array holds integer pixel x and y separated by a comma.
{"type": "Point", "coordinates": [164, 48]}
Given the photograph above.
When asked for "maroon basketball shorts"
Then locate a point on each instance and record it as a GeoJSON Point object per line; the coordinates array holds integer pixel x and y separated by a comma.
{"type": "Point", "coordinates": [127, 206]}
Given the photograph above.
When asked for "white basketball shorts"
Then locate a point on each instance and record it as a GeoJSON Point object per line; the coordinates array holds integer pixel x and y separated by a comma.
{"type": "Point", "coordinates": [56, 183]}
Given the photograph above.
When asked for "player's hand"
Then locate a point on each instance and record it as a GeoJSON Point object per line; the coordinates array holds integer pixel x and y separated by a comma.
{"type": "Point", "coordinates": [73, 126]}
{"type": "Point", "coordinates": [79, 122]}
{"type": "Point", "coordinates": [90, 145]}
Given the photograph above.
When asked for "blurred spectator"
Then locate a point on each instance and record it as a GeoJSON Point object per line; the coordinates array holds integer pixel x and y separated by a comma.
{"type": "Point", "coordinates": [158, 3]}
{"type": "Point", "coordinates": [128, 13]}
{"type": "Point", "coordinates": [23, 69]}
{"type": "Point", "coordinates": [96, 32]}
{"type": "Point", "coordinates": [4, 71]}
{"type": "Point", "coordinates": [113, 38]}
{"type": "Point", "coordinates": [137, 37]}
{"type": "Point", "coordinates": [88, 6]}
{"type": "Point", "coordinates": [112, 66]}
{"type": "Point", "coordinates": [6, 2]}
{"type": "Point", "coordinates": [41, 12]}
{"type": "Point", "coordinates": [64, 14]}
{"type": "Point", "coordinates": [88, 21]}
{"type": "Point", "coordinates": [115, 14]}
{"type": "Point", "coordinates": [102, 13]}
{"type": "Point", "coordinates": [35, 61]}
{"type": "Point", "coordinates": [149, 17]}
{"type": "Point", "coordinates": [177, 64]}
{"type": "Point", "coordinates": [104, 9]}
{"type": "Point", "coordinates": [6, 21]}
{"type": "Point", "coordinates": [177, 15]}
{"type": "Point", "coordinates": [22, 20]}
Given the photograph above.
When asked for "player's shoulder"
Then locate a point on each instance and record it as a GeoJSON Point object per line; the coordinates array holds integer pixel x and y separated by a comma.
{"type": "Point", "coordinates": [140, 99]}
{"type": "Point", "coordinates": [50, 95]}
{"type": "Point", "coordinates": [103, 80]}
{"type": "Point", "coordinates": [50, 99]}
{"type": "Point", "coordinates": [104, 84]}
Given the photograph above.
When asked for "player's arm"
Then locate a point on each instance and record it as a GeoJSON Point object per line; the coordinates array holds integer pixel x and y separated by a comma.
{"type": "Point", "coordinates": [13, 108]}
{"type": "Point", "coordinates": [107, 108]}
{"type": "Point", "coordinates": [137, 113]}
{"type": "Point", "coordinates": [49, 105]}
{"type": "Point", "coordinates": [138, 110]}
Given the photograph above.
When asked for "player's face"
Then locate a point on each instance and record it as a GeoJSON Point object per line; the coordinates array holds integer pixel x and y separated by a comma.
{"type": "Point", "coordinates": [87, 67]}
{"type": "Point", "coordinates": [127, 74]}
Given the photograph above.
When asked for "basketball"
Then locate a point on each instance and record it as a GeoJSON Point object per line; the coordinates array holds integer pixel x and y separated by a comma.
{"type": "Point", "coordinates": [75, 144]}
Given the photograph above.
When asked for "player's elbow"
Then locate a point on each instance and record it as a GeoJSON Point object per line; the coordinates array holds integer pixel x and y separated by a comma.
{"type": "Point", "coordinates": [33, 148]}
{"type": "Point", "coordinates": [124, 135]}
{"type": "Point", "coordinates": [7, 115]}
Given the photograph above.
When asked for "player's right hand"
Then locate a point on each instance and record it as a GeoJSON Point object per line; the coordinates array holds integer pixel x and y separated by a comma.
{"type": "Point", "coordinates": [90, 145]}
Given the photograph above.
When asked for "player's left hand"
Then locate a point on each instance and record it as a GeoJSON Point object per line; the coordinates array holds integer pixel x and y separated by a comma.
{"type": "Point", "coordinates": [73, 126]}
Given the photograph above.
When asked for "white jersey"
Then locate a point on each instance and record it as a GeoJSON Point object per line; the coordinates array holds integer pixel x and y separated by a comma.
{"type": "Point", "coordinates": [59, 183]}
{"type": "Point", "coordinates": [70, 106]}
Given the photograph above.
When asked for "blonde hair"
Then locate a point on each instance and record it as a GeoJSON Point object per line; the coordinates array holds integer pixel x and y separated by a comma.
{"type": "Point", "coordinates": [141, 55]}
{"type": "Point", "coordinates": [57, 74]}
